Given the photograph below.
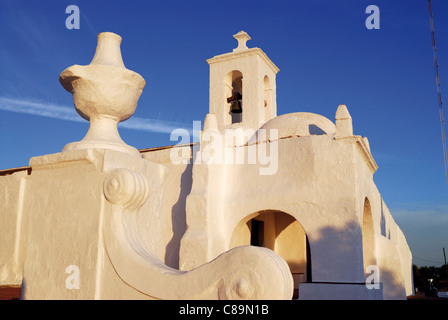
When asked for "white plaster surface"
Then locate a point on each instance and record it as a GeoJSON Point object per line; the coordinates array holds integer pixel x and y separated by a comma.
{"type": "Point", "coordinates": [139, 226]}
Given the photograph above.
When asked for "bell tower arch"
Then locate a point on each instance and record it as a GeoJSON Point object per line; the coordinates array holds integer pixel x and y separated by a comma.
{"type": "Point", "coordinates": [242, 87]}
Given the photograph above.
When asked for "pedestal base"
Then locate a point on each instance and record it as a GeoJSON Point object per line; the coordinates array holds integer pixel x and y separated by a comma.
{"type": "Point", "coordinates": [121, 147]}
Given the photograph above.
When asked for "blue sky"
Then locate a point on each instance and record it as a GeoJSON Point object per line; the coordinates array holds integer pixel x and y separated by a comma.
{"type": "Point", "coordinates": [326, 57]}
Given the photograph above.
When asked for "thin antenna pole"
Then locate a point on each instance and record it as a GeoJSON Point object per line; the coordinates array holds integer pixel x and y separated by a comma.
{"type": "Point", "coordinates": [444, 258]}
{"type": "Point", "coordinates": [439, 94]}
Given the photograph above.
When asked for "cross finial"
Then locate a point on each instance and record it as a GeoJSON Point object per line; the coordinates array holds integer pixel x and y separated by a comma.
{"type": "Point", "coordinates": [242, 38]}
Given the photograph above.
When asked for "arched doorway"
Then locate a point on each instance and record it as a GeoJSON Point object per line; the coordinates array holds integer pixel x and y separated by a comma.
{"type": "Point", "coordinates": [281, 233]}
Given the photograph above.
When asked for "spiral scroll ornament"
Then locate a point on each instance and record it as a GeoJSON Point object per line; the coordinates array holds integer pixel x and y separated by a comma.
{"type": "Point", "coordinates": [126, 188]}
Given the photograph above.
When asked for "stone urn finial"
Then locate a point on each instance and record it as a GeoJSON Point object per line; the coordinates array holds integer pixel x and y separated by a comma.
{"type": "Point", "coordinates": [108, 50]}
{"type": "Point", "coordinates": [242, 37]}
{"type": "Point", "coordinates": [104, 93]}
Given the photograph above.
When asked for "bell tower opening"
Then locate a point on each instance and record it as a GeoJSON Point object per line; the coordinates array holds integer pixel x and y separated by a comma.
{"type": "Point", "coordinates": [242, 87]}
{"type": "Point", "coordinates": [267, 99]}
{"type": "Point", "coordinates": [234, 84]}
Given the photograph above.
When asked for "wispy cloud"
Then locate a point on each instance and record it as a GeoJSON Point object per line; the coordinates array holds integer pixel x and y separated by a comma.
{"type": "Point", "coordinates": [23, 24]}
{"type": "Point", "coordinates": [55, 111]}
{"type": "Point", "coordinates": [424, 227]}
{"type": "Point", "coordinates": [152, 125]}
{"type": "Point", "coordinates": [386, 157]}
{"type": "Point", "coordinates": [89, 24]}
{"type": "Point", "coordinates": [431, 216]}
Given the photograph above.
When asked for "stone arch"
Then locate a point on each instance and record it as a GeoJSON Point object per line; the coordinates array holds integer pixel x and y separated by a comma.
{"type": "Point", "coordinates": [283, 234]}
{"type": "Point", "coordinates": [368, 236]}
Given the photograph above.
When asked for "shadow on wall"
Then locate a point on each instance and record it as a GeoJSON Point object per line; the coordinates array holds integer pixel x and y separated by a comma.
{"type": "Point", "coordinates": [178, 219]}
{"type": "Point", "coordinates": [334, 253]}
{"type": "Point", "coordinates": [393, 288]}
{"type": "Point", "coordinates": [337, 256]}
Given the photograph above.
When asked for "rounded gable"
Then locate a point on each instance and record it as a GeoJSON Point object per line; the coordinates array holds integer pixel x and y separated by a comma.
{"type": "Point", "coordinates": [300, 124]}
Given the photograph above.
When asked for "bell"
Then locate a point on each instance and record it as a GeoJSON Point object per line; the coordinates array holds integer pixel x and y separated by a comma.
{"type": "Point", "coordinates": [236, 102]}
{"type": "Point", "coordinates": [236, 107]}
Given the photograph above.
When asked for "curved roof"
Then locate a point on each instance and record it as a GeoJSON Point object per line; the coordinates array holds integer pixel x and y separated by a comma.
{"type": "Point", "coordinates": [299, 124]}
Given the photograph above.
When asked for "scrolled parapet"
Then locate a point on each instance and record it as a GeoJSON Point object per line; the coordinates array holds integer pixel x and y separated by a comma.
{"type": "Point", "coordinates": [252, 273]}
{"type": "Point", "coordinates": [126, 188]}
{"type": "Point", "coordinates": [245, 272]}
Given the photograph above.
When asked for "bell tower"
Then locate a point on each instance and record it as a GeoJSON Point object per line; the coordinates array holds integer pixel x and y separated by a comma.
{"type": "Point", "coordinates": [242, 87]}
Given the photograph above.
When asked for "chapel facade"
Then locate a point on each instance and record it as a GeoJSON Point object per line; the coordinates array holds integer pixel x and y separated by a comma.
{"type": "Point", "coordinates": [261, 207]}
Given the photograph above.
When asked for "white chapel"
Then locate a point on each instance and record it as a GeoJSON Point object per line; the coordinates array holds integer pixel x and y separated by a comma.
{"type": "Point", "coordinates": [261, 207]}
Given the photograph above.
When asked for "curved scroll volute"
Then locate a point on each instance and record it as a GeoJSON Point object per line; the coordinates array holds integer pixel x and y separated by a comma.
{"type": "Point", "coordinates": [241, 273]}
